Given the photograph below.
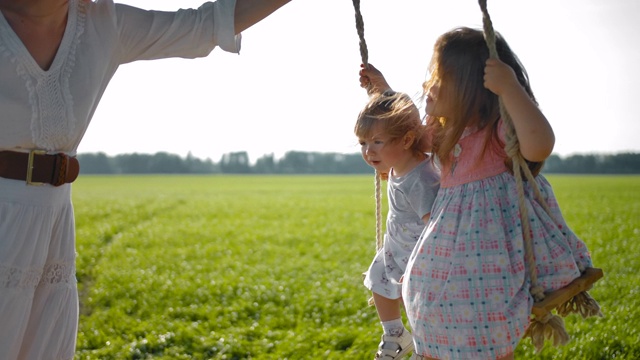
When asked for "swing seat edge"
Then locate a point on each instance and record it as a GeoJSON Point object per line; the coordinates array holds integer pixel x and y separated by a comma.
{"type": "Point", "coordinates": [555, 298]}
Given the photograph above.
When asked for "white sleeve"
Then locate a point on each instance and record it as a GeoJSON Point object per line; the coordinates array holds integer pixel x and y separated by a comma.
{"type": "Point", "coordinates": [185, 33]}
{"type": "Point", "coordinates": [224, 21]}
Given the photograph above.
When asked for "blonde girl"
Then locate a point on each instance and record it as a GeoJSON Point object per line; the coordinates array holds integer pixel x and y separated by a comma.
{"type": "Point", "coordinates": [388, 129]}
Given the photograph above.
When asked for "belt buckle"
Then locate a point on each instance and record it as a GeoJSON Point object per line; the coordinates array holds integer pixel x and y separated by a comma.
{"type": "Point", "coordinates": [32, 153]}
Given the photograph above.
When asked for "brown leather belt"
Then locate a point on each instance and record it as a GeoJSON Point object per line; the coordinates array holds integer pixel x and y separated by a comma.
{"type": "Point", "coordinates": [37, 167]}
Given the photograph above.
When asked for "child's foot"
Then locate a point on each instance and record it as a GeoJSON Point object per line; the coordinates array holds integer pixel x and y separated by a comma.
{"type": "Point", "coordinates": [394, 347]}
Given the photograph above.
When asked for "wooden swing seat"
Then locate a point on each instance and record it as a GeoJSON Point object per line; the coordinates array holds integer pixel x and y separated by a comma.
{"type": "Point", "coordinates": [560, 296]}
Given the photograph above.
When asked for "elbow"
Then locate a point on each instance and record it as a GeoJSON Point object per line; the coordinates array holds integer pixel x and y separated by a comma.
{"type": "Point", "coordinates": [426, 217]}
{"type": "Point", "coordinates": [540, 151]}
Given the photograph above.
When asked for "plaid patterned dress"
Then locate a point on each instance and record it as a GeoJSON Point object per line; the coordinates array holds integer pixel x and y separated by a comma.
{"type": "Point", "coordinates": [465, 289]}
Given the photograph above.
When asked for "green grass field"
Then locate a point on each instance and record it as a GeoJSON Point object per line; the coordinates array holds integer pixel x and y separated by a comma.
{"type": "Point", "coordinates": [269, 267]}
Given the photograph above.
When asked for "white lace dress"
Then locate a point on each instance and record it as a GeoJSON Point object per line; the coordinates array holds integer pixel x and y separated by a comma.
{"type": "Point", "coordinates": [51, 110]}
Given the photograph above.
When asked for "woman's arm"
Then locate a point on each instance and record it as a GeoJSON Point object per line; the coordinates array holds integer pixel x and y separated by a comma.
{"type": "Point", "coordinates": [534, 132]}
{"type": "Point", "coordinates": [249, 12]}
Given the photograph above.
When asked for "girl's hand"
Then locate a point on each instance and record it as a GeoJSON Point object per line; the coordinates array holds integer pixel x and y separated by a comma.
{"type": "Point", "coordinates": [534, 132]}
{"type": "Point", "coordinates": [372, 80]}
{"type": "Point", "coordinates": [499, 77]}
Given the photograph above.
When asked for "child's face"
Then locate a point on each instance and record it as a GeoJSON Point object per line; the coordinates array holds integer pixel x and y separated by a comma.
{"type": "Point", "coordinates": [433, 106]}
{"type": "Point", "coordinates": [380, 152]}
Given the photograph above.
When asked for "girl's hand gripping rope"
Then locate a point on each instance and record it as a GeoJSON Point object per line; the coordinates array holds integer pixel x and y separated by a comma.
{"type": "Point", "coordinates": [535, 135]}
{"type": "Point", "coordinates": [372, 80]}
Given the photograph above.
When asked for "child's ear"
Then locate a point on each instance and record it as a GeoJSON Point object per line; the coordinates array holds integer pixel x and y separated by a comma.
{"type": "Point", "coordinates": [408, 139]}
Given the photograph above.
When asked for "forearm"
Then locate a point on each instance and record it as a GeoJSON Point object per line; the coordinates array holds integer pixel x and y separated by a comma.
{"type": "Point", "coordinates": [249, 12]}
{"type": "Point", "coordinates": [535, 135]}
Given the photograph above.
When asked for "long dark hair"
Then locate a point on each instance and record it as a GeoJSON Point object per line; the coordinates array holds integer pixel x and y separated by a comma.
{"type": "Point", "coordinates": [457, 67]}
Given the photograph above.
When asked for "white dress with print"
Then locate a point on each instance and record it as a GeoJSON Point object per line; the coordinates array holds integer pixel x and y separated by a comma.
{"type": "Point", "coordinates": [410, 199]}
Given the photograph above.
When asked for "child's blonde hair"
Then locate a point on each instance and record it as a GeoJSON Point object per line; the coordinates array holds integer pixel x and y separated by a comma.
{"type": "Point", "coordinates": [397, 116]}
{"type": "Point", "coordinates": [395, 113]}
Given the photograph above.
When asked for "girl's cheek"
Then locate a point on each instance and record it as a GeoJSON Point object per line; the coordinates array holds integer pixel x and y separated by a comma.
{"type": "Point", "coordinates": [430, 107]}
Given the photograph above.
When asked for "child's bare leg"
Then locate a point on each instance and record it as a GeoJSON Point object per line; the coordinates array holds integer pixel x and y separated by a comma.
{"type": "Point", "coordinates": [388, 309]}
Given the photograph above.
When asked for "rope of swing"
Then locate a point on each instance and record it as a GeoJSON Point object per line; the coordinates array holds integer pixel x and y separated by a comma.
{"type": "Point", "coordinates": [520, 167]}
{"type": "Point", "coordinates": [544, 325]}
{"type": "Point", "coordinates": [364, 54]}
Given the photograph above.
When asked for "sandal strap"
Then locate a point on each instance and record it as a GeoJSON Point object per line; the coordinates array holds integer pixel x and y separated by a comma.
{"type": "Point", "coordinates": [390, 348]}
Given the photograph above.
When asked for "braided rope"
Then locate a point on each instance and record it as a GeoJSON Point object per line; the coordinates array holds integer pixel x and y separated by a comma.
{"type": "Point", "coordinates": [379, 242]}
{"type": "Point", "coordinates": [512, 148]}
{"type": "Point", "coordinates": [364, 53]}
{"type": "Point", "coordinates": [548, 326]}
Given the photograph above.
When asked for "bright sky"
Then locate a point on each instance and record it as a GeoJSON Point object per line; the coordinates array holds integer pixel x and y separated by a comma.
{"type": "Point", "coordinates": [295, 86]}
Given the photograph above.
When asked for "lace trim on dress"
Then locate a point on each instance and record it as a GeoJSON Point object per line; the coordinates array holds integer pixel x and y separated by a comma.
{"type": "Point", "coordinates": [81, 9]}
{"type": "Point", "coordinates": [62, 273]}
{"type": "Point", "coordinates": [50, 99]}
{"type": "Point", "coordinates": [54, 122]}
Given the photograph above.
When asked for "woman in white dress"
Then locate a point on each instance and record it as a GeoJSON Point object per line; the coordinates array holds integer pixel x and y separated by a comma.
{"type": "Point", "coordinates": [56, 59]}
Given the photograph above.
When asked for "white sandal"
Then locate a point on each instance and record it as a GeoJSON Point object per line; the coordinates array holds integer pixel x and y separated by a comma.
{"type": "Point", "coordinates": [394, 347]}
